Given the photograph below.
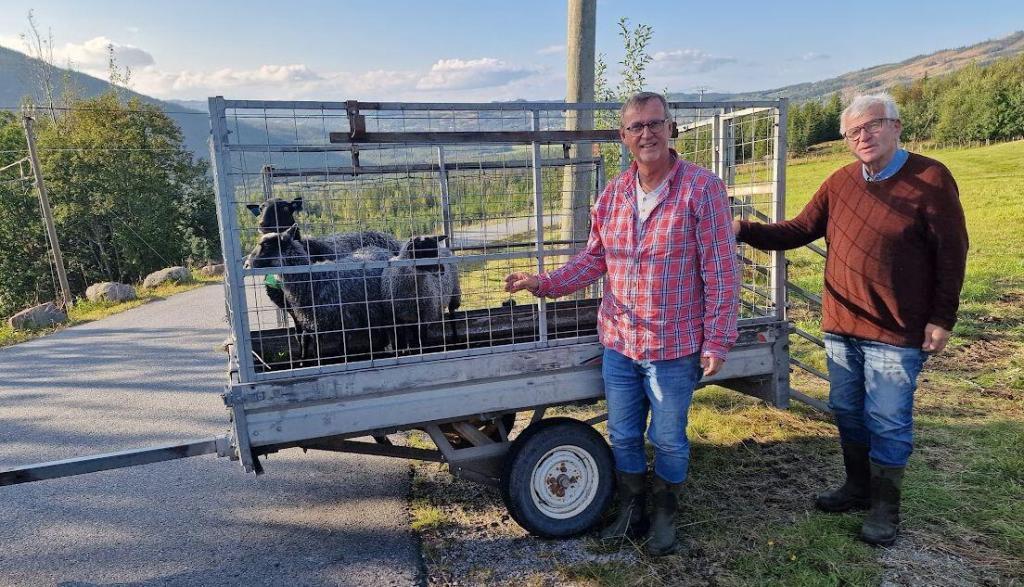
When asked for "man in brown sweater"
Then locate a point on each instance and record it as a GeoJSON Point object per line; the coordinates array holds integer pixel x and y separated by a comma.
{"type": "Point", "coordinates": [897, 249]}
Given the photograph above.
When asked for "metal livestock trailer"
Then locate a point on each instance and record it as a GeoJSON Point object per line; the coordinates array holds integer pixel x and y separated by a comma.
{"type": "Point", "coordinates": [507, 187]}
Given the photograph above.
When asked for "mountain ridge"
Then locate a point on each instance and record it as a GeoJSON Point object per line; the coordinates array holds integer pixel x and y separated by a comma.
{"type": "Point", "coordinates": [878, 77]}
{"type": "Point", "coordinates": [18, 71]}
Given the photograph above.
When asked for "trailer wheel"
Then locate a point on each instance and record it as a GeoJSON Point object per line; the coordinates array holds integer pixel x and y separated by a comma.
{"type": "Point", "coordinates": [558, 478]}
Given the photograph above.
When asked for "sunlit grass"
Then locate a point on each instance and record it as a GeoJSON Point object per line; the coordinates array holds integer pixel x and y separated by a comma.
{"type": "Point", "coordinates": [86, 311]}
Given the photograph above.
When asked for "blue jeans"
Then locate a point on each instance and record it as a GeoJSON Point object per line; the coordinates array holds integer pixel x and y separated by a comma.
{"type": "Point", "coordinates": [872, 395]}
{"type": "Point", "coordinates": [665, 388]}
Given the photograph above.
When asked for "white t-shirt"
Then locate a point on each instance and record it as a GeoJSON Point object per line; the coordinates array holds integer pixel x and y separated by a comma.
{"type": "Point", "coordinates": [645, 201]}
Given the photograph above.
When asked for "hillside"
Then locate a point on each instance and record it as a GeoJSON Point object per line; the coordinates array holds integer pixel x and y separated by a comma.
{"type": "Point", "coordinates": [17, 80]}
{"type": "Point", "coordinates": [880, 77]}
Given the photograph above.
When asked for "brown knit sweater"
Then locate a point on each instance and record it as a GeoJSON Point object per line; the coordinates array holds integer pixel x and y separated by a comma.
{"type": "Point", "coordinates": [897, 250]}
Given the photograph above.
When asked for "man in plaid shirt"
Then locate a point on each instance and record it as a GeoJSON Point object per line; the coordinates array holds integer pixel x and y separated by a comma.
{"type": "Point", "coordinates": [661, 236]}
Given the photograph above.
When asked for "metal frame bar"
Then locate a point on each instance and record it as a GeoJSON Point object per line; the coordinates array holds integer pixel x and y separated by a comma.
{"type": "Point", "coordinates": [498, 106]}
{"type": "Point", "coordinates": [234, 280]}
{"type": "Point", "coordinates": [538, 209]}
{"type": "Point", "coordinates": [114, 460]}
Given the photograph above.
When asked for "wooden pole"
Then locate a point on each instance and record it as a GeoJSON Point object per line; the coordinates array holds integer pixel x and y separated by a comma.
{"type": "Point", "coordinates": [577, 182]}
{"type": "Point", "coordinates": [44, 204]}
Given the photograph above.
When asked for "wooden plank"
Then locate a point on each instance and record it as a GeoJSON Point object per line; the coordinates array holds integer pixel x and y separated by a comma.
{"type": "Point", "coordinates": [751, 189]}
{"type": "Point", "coordinates": [458, 137]}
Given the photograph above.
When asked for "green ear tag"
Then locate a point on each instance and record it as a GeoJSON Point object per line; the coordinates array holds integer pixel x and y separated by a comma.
{"type": "Point", "coordinates": [271, 281]}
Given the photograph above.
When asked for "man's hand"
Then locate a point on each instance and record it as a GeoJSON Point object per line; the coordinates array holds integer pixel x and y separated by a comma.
{"type": "Point", "coordinates": [520, 281]}
{"type": "Point", "coordinates": [736, 227]}
{"type": "Point", "coordinates": [935, 338]}
{"type": "Point", "coordinates": [711, 364]}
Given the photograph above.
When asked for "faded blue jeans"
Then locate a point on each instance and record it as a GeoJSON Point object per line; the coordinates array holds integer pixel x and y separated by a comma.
{"type": "Point", "coordinates": [665, 388]}
{"type": "Point", "coordinates": [872, 395]}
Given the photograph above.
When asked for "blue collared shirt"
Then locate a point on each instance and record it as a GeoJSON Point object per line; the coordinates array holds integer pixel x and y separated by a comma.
{"type": "Point", "coordinates": [890, 170]}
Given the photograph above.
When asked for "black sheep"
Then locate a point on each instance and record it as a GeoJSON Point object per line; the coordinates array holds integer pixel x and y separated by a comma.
{"type": "Point", "coordinates": [346, 303]}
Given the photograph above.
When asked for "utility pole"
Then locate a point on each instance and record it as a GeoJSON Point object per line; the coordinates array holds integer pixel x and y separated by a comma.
{"type": "Point", "coordinates": [578, 182]}
{"type": "Point", "coordinates": [44, 204]}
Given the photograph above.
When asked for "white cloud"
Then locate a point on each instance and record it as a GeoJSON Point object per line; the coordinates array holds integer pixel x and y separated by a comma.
{"type": "Point", "coordinates": [453, 79]}
{"type": "Point", "coordinates": [551, 50]}
{"type": "Point", "coordinates": [813, 56]}
{"type": "Point", "coordinates": [14, 42]}
{"type": "Point", "coordinates": [458, 74]}
{"type": "Point", "coordinates": [681, 60]}
{"type": "Point", "coordinates": [94, 55]}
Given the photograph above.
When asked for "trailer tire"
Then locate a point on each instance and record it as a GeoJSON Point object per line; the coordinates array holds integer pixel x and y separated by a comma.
{"type": "Point", "coordinates": [558, 478]}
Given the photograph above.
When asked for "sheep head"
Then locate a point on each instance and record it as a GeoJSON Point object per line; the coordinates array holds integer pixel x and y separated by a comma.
{"type": "Point", "coordinates": [275, 214]}
{"type": "Point", "coordinates": [424, 247]}
{"type": "Point", "coordinates": [277, 249]}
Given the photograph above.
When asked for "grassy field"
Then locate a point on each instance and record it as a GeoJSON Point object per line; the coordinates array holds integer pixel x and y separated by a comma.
{"type": "Point", "coordinates": [85, 311]}
{"type": "Point", "coordinates": [746, 512]}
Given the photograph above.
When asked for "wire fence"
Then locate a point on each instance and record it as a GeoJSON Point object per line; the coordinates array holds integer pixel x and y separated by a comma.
{"type": "Point", "coordinates": [408, 217]}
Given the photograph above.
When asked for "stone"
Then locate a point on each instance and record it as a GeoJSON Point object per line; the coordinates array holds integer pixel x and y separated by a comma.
{"type": "Point", "coordinates": [212, 270]}
{"type": "Point", "coordinates": [39, 316]}
{"type": "Point", "coordinates": [110, 291]}
{"type": "Point", "coordinates": [169, 275]}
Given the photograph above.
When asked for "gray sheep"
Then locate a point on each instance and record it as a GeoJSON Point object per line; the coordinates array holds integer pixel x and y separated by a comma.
{"type": "Point", "coordinates": [346, 303]}
{"type": "Point", "coordinates": [421, 293]}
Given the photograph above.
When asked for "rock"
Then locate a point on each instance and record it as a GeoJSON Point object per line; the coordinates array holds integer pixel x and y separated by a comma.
{"type": "Point", "coordinates": [212, 270]}
{"type": "Point", "coordinates": [171, 274]}
{"type": "Point", "coordinates": [110, 291]}
{"type": "Point", "coordinates": [39, 316]}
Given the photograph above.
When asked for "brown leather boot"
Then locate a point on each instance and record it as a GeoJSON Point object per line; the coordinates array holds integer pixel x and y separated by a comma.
{"type": "Point", "coordinates": [882, 523]}
{"type": "Point", "coordinates": [631, 520]}
{"type": "Point", "coordinates": [660, 540]}
{"type": "Point", "coordinates": [855, 492]}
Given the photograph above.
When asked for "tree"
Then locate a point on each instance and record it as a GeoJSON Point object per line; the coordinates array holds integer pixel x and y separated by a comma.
{"type": "Point", "coordinates": [127, 199]}
{"type": "Point", "coordinates": [24, 258]}
{"type": "Point", "coordinates": [634, 64]}
{"type": "Point", "coordinates": [130, 195]}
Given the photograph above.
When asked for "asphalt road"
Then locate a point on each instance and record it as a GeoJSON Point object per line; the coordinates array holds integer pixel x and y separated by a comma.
{"type": "Point", "coordinates": [153, 375]}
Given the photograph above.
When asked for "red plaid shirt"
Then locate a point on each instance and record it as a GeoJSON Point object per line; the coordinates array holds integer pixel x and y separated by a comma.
{"type": "Point", "coordinates": [671, 290]}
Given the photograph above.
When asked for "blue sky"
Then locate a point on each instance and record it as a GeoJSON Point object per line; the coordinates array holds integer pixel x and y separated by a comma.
{"type": "Point", "coordinates": [484, 50]}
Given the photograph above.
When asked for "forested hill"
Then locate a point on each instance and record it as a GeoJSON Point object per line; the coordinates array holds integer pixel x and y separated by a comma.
{"type": "Point", "coordinates": [19, 78]}
{"type": "Point", "coordinates": [880, 77]}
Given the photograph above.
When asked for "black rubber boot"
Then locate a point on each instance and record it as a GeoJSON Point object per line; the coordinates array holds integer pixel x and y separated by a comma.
{"type": "Point", "coordinates": [883, 521]}
{"type": "Point", "coordinates": [632, 519]}
{"type": "Point", "coordinates": [661, 538]}
{"type": "Point", "coordinates": [855, 493]}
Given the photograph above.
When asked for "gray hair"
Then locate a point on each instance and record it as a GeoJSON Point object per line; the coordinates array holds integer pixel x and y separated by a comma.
{"type": "Point", "coordinates": [861, 104]}
{"type": "Point", "coordinates": [639, 99]}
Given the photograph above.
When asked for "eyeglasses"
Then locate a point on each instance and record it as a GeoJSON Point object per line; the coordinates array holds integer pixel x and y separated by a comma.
{"type": "Point", "coordinates": [637, 128]}
{"type": "Point", "coordinates": [873, 126]}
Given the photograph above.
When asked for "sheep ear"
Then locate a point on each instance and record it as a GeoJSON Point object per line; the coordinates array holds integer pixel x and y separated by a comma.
{"type": "Point", "coordinates": [254, 208]}
{"type": "Point", "coordinates": [297, 204]}
{"type": "Point", "coordinates": [291, 232]}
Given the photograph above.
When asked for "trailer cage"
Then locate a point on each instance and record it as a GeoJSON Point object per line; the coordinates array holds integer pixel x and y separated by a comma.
{"type": "Point", "coordinates": [505, 186]}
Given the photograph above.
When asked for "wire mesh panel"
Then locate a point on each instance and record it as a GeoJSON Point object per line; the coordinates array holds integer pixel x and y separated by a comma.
{"type": "Point", "coordinates": [367, 234]}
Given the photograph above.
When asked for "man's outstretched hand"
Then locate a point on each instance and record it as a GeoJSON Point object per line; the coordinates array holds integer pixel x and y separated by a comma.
{"type": "Point", "coordinates": [520, 281]}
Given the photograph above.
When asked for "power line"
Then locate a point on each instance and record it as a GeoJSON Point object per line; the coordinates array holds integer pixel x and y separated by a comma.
{"type": "Point", "coordinates": [132, 149]}
{"type": "Point", "coordinates": [90, 109]}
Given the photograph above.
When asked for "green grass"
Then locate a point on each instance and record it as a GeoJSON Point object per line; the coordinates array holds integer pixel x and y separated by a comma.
{"type": "Point", "coordinates": [86, 311]}
{"type": "Point", "coordinates": [426, 516]}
